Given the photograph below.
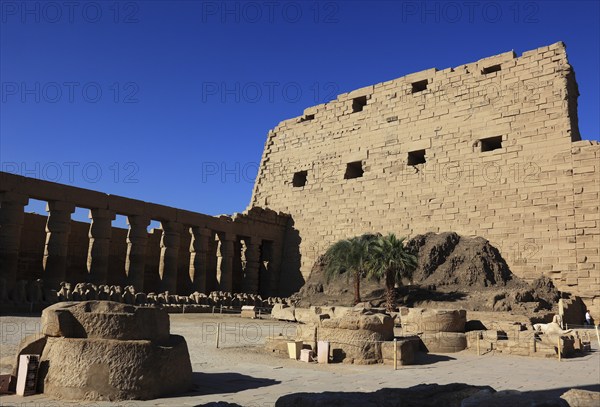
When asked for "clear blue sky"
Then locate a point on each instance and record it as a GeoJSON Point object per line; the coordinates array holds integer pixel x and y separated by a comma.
{"type": "Point", "coordinates": [171, 101]}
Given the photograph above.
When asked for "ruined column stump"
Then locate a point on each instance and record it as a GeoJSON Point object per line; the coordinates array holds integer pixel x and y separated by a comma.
{"type": "Point", "coordinates": [103, 350]}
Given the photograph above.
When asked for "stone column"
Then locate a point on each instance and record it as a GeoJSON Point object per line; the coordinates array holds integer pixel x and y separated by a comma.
{"type": "Point", "coordinates": [169, 250]}
{"type": "Point", "coordinates": [99, 247]}
{"type": "Point", "coordinates": [252, 256]}
{"type": "Point", "coordinates": [225, 261]}
{"type": "Point", "coordinates": [275, 268]}
{"type": "Point", "coordinates": [199, 258]}
{"type": "Point", "coordinates": [135, 263]}
{"type": "Point", "coordinates": [212, 283]}
{"type": "Point", "coordinates": [58, 228]}
{"type": "Point", "coordinates": [237, 268]}
{"type": "Point", "coordinates": [12, 215]}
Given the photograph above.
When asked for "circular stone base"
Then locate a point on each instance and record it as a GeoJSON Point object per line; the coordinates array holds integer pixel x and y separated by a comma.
{"type": "Point", "coordinates": [107, 369]}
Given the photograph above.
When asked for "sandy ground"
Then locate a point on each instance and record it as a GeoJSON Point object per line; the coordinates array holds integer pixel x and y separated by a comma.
{"type": "Point", "coordinates": [239, 372]}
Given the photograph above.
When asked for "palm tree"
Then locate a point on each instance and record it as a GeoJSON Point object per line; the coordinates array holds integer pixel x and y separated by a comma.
{"type": "Point", "coordinates": [389, 259]}
{"type": "Point", "coordinates": [349, 256]}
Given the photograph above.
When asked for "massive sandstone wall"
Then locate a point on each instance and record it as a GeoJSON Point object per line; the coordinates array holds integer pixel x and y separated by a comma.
{"type": "Point", "coordinates": [503, 160]}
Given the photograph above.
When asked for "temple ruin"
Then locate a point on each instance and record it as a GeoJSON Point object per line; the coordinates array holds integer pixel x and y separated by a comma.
{"type": "Point", "coordinates": [489, 148]}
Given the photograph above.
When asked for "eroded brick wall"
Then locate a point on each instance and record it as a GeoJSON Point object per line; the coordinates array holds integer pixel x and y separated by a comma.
{"type": "Point", "coordinates": [534, 193]}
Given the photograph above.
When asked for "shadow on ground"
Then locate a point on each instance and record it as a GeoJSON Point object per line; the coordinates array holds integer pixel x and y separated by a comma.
{"type": "Point", "coordinates": [422, 358]}
{"type": "Point", "coordinates": [432, 395]}
{"type": "Point", "coordinates": [221, 383]}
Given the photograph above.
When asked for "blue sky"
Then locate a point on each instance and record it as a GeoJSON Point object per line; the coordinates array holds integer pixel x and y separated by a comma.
{"type": "Point", "coordinates": [171, 101]}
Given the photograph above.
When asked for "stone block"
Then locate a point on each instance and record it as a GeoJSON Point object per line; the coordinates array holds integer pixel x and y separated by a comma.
{"type": "Point", "coordinates": [30, 345]}
{"type": "Point", "coordinates": [421, 320]}
{"type": "Point", "coordinates": [444, 342]}
{"type": "Point", "coordinates": [106, 320]}
{"type": "Point", "coordinates": [283, 313]}
{"type": "Point", "coordinates": [105, 369]}
{"type": "Point", "coordinates": [248, 311]}
{"type": "Point", "coordinates": [405, 353]}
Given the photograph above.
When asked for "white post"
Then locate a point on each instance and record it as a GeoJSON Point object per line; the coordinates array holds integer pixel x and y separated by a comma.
{"type": "Point", "coordinates": [395, 354]}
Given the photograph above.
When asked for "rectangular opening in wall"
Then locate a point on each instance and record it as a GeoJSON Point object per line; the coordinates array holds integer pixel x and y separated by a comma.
{"type": "Point", "coordinates": [307, 117]}
{"type": "Point", "coordinates": [358, 104]}
{"type": "Point", "coordinates": [299, 179]}
{"type": "Point", "coordinates": [416, 157]}
{"type": "Point", "coordinates": [490, 143]}
{"type": "Point", "coordinates": [419, 86]}
{"type": "Point", "coordinates": [491, 69]}
{"type": "Point", "coordinates": [354, 170]}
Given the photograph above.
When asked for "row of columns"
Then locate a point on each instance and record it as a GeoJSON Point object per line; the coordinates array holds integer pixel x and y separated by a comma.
{"type": "Point", "coordinates": [229, 272]}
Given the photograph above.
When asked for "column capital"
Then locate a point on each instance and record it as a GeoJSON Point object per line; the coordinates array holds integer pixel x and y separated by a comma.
{"type": "Point", "coordinates": [201, 231]}
{"type": "Point", "coordinates": [60, 206]}
{"type": "Point", "coordinates": [253, 241]}
{"type": "Point", "coordinates": [96, 213]}
{"type": "Point", "coordinates": [138, 220]}
{"type": "Point", "coordinates": [14, 197]}
{"type": "Point", "coordinates": [227, 236]}
{"type": "Point", "coordinates": [171, 227]}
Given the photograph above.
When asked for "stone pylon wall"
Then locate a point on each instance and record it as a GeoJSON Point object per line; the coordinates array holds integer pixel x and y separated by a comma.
{"type": "Point", "coordinates": [503, 160]}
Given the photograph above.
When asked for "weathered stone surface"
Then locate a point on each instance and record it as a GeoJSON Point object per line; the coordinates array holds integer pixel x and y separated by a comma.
{"type": "Point", "coordinates": [354, 338]}
{"type": "Point", "coordinates": [567, 344]}
{"type": "Point", "coordinates": [444, 342]}
{"type": "Point", "coordinates": [103, 350]}
{"type": "Point", "coordinates": [379, 323]}
{"type": "Point", "coordinates": [407, 349]}
{"type": "Point", "coordinates": [106, 369]}
{"type": "Point", "coordinates": [581, 398]}
{"type": "Point", "coordinates": [283, 313]}
{"type": "Point", "coordinates": [353, 131]}
{"type": "Point", "coordinates": [421, 320]}
{"type": "Point", "coordinates": [424, 395]}
{"type": "Point", "coordinates": [248, 311]}
{"type": "Point", "coordinates": [105, 319]}
{"type": "Point", "coordinates": [277, 345]}
{"type": "Point", "coordinates": [30, 345]}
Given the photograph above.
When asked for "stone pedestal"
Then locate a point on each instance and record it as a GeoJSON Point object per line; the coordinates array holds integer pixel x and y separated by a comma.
{"type": "Point", "coordinates": [102, 350]}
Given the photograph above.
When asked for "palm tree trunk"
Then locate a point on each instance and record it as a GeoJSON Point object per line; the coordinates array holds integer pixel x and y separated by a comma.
{"type": "Point", "coordinates": [390, 291]}
{"type": "Point", "coordinates": [356, 288]}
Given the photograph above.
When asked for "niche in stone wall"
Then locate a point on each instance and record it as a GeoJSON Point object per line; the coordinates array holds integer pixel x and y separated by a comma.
{"type": "Point", "coordinates": [299, 179]}
{"type": "Point", "coordinates": [490, 143]}
{"type": "Point", "coordinates": [354, 170]}
{"type": "Point", "coordinates": [358, 104]}
{"type": "Point", "coordinates": [491, 69]}
{"type": "Point", "coordinates": [416, 157]}
{"type": "Point", "coordinates": [307, 118]}
{"type": "Point", "coordinates": [419, 86]}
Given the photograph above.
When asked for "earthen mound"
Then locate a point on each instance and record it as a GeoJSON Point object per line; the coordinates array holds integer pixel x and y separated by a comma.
{"type": "Point", "coordinates": [453, 272]}
{"type": "Point", "coordinates": [449, 259]}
